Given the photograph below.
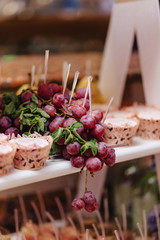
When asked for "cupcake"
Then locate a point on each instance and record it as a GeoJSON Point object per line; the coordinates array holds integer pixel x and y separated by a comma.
{"type": "Point", "coordinates": [7, 153]}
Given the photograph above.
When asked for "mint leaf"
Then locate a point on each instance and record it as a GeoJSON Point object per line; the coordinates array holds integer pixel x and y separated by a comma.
{"type": "Point", "coordinates": [41, 124]}
{"type": "Point", "coordinates": [32, 107]}
{"type": "Point", "coordinates": [58, 134]}
{"type": "Point", "coordinates": [78, 137]}
{"type": "Point", "coordinates": [34, 99]}
{"type": "Point", "coordinates": [69, 138]}
{"type": "Point", "coordinates": [53, 149]}
{"type": "Point", "coordinates": [9, 109]}
{"type": "Point", "coordinates": [75, 125]}
{"type": "Point", "coordinates": [10, 97]}
{"type": "Point", "coordinates": [43, 113]}
{"type": "Point", "coordinates": [92, 144]}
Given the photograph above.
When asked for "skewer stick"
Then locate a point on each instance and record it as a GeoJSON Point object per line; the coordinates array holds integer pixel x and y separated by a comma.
{"type": "Point", "coordinates": [42, 205]}
{"type": "Point", "coordinates": [23, 209]}
{"type": "Point", "coordinates": [38, 77]}
{"type": "Point", "coordinates": [74, 85]}
{"type": "Point", "coordinates": [66, 78]}
{"type": "Point", "coordinates": [87, 234]}
{"type": "Point", "coordinates": [106, 210]}
{"type": "Point", "coordinates": [61, 210]}
{"type": "Point", "coordinates": [64, 71]}
{"type": "Point", "coordinates": [140, 231]}
{"type": "Point", "coordinates": [90, 94]}
{"type": "Point", "coordinates": [46, 65]}
{"type": "Point", "coordinates": [37, 213]}
{"type": "Point", "coordinates": [101, 223]}
{"type": "Point", "coordinates": [119, 228]}
{"type": "Point", "coordinates": [81, 222]}
{"type": "Point", "coordinates": [16, 223]}
{"type": "Point", "coordinates": [96, 231]}
{"type": "Point", "coordinates": [145, 224]}
{"type": "Point", "coordinates": [53, 223]}
{"type": "Point", "coordinates": [74, 227]}
{"type": "Point", "coordinates": [124, 218]}
{"type": "Point", "coordinates": [117, 235]}
{"type": "Point", "coordinates": [33, 76]}
{"type": "Point", "coordinates": [108, 107]}
{"type": "Point", "coordinates": [157, 220]}
{"type": "Point", "coordinates": [33, 230]}
{"type": "Point", "coordinates": [86, 93]}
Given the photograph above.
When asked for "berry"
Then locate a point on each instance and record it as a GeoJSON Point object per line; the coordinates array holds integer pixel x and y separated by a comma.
{"type": "Point", "coordinates": [80, 103]}
{"type": "Point", "coordinates": [88, 153]}
{"type": "Point", "coordinates": [103, 150]}
{"type": "Point", "coordinates": [80, 93]}
{"type": "Point", "coordinates": [73, 148]}
{"type": "Point", "coordinates": [97, 131]}
{"type": "Point", "coordinates": [78, 204]}
{"type": "Point", "coordinates": [77, 161]}
{"type": "Point", "coordinates": [44, 91]}
{"type": "Point", "coordinates": [56, 123]}
{"type": "Point", "coordinates": [5, 122]}
{"type": "Point", "coordinates": [50, 110]}
{"type": "Point", "coordinates": [68, 122]}
{"type": "Point", "coordinates": [12, 130]}
{"type": "Point", "coordinates": [89, 197]}
{"type": "Point", "coordinates": [59, 150]}
{"type": "Point", "coordinates": [111, 157]}
{"type": "Point", "coordinates": [58, 100]}
{"type": "Point", "coordinates": [26, 96]}
{"type": "Point", "coordinates": [88, 121]}
{"type": "Point", "coordinates": [98, 115]}
{"type": "Point", "coordinates": [1, 104]}
{"type": "Point", "coordinates": [91, 207]}
{"type": "Point", "coordinates": [80, 130]}
{"type": "Point", "coordinates": [61, 141]}
{"type": "Point", "coordinates": [65, 154]}
{"type": "Point", "coordinates": [39, 103]}
{"type": "Point", "coordinates": [78, 111]}
{"type": "Point", "coordinates": [55, 87]}
{"type": "Point", "coordinates": [17, 122]}
{"type": "Point", "coordinates": [94, 164]}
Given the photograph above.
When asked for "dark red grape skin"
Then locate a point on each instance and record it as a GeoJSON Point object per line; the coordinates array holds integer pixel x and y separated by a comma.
{"type": "Point", "coordinates": [65, 154]}
{"type": "Point", "coordinates": [92, 207]}
{"type": "Point", "coordinates": [61, 141]}
{"type": "Point", "coordinates": [17, 122]}
{"type": "Point", "coordinates": [50, 110]}
{"type": "Point", "coordinates": [12, 130]}
{"type": "Point", "coordinates": [88, 121]}
{"type": "Point", "coordinates": [78, 111]}
{"type": "Point", "coordinates": [68, 122]}
{"type": "Point", "coordinates": [58, 100]}
{"type": "Point", "coordinates": [55, 87]}
{"type": "Point", "coordinates": [5, 122]}
{"type": "Point", "coordinates": [56, 123]}
{"type": "Point", "coordinates": [111, 157]}
{"type": "Point", "coordinates": [73, 148]}
{"type": "Point", "coordinates": [97, 131]}
{"type": "Point", "coordinates": [94, 164]}
{"type": "Point", "coordinates": [98, 115]}
{"type": "Point", "coordinates": [88, 153]}
{"type": "Point", "coordinates": [80, 93]}
{"type": "Point", "coordinates": [80, 103]}
{"type": "Point", "coordinates": [89, 197]}
{"type": "Point", "coordinates": [1, 104]}
{"type": "Point", "coordinates": [77, 161]}
{"type": "Point", "coordinates": [26, 96]}
{"type": "Point", "coordinates": [39, 103]}
{"type": "Point", "coordinates": [103, 150]}
{"type": "Point", "coordinates": [44, 91]}
{"type": "Point", "coordinates": [78, 204]}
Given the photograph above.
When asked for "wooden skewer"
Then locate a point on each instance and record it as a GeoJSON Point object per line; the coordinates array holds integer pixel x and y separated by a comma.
{"type": "Point", "coordinates": [140, 231]}
{"type": "Point", "coordinates": [101, 223]}
{"type": "Point", "coordinates": [54, 227]}
{"type": "Point", "coordinates": [74, 227]}
{"type": "Point", "coordinates": [90, 95]}
{"type": "Point", "coordinates": [124, 218]}
{"type": "Point", "coordinates": [119, 228]}
{"type": "Point", "coordinates": [145, 224]}
{"type": "Point", "coordinates": [23, 209]}
{"type": "Point", "coordinates": [37, 213]}
{"type": "Point", "coordinates": [33, 76]}
{"type": "Point", "coordinates": [74, 85]}
{"type": "Point", "coordinates": [66, 78]}
{"type": "Point", "coordinates": [96, 231]}
{"type": "Point", "coordinates": [16, 223]}
{"type": "Point", "coordinates": [64, 71]}
{"type": "Point", "coordinates": [38, 77]}
{"type": "Point", "coordinates": [108, 107]}
{"type": "Point", "coordinates": [117, 235]}
{"type": "Point", "coordinates": [87, 234]}
{"type": "Point", "coordinates": [86, 93]}
{"type": "Point", "coordinates": [42, 205]}
{"type": "Point", "coordinates": [61, 210]}
{"type": "Point", "coordinates": [46, 65]}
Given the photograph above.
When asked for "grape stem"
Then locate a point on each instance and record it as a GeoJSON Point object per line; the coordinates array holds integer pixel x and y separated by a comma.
{"type": "Point", "coordinates": [86, 180]}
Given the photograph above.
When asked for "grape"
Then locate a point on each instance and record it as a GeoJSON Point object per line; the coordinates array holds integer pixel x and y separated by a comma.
{"type": "Point", "coordinates": [17, 122]}
{"type": "Point", "coordinates": [56, 123]}
{"type": "Point", "coordinates": [26, 96]}
{"type": "Point", "coordinates": [65, 102]}
{"type": "Point", "coordinates": [50, 110]}
{"type": "Point", "coordinates": [80, 103]}
{"type": "Point", "coordinates": [58, 100]}
{"type": "Point", "coordinates": [77, 161]}
{"type": "Point", "coordinates": [55, 87]}
{"type": "Point", "coordinates": [88, 153]}
{"type": "Point", "coordinates": [80, 93]}
{"type": "Point", "coordinates": [68, 122]}
{"type": "Point", "coordinates": [84, 135]}
{"type": "Point", "coordinates": [97, 131]}
{"type": "Point", "coordinates": [5, 122]}
{"type": "Point", "coordinates": [73, 148]}
{"type": "Point", "coordinates": [103, 150]}
{"type": "Point", "coordinates": [80, 130]}
{"type": "Point", "coordinates": [44, 91]}
{"type": "Point", "coordinates": [61, 141]}
{"type": "Point", "coordinates": [94, 164]}
{"type": "Point", "coordinates": [88, 121]}
{"type": "Point", "coordinates": [111, 157]}
{"type": "Point", "coordinates": [98, 115]}
{"type": "Point", "coordinates": [1, 104]}
{"type": "Point", "coordinates": [59, 149]}
{"type": "Point", "coordinates": [91, 207]}
{"type": "Point", "coordinates": [66, 94]}
{"type": "Point", "coordinates": [48, 122]}
{"type": "Point", "coordinates": [89, 197]}
{"type": "Point", "coordinates": [12, 130]}
{"type": "Point", "coordinates": [78, 111]}
{"type": "Point", "coordinates": [39, 103]}
{"type": "Point", "coordinates": [78, 204]}
{"type": "Point", "coordinates": [65, 154]}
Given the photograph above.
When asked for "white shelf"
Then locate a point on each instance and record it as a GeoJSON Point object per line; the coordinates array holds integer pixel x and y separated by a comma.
{"type": "Point", "coordinates": [58, 168]}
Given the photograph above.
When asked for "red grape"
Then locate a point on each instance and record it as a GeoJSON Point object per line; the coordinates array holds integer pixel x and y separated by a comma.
{"type": "Point", "coordinates": [91, 207]}
{"type": "Point", "coordinates": [17, 122]}
{"type": "Point", "coordinates": [12, 130]}
{"type": "Point", "coordinates": [1, 104]}
{"type": "Point", "coordinates": [80, 93]}
{"type": "Point", "coordinates": [88, 153]}
{"type": "Point", "coordinates": [59, 149]}
{"type": "Point", "coordinates": [77, 161]}
{"type": "Point", "coordinates": [111, 157]}
{"type": "Point", "coordinates": [78, 204]}
{"type": "Point", "coordinates": [39, 103]}
{"type": "Point", "coordinates": [89, 197]}
{"type": "Point", "coordinates": [26, 96]}
{"type": "Point", "coordinates": [80, 103]}
{"type": "Point", "coordinates": [88, 121]}
{"type": "Point", "coordinates": [44, 91]}
{"type": "Point", "coordinates": [103, 150]}
{"type": "Point", "coordinates": [68, 122]}
{"type": "Point", "coordinates": [50, 110]}
{"type": "Point", "coordinates": [55, 87]}
{"type": "Point", "coordinates": [84, 135]}
{"type": "Point", "coordinates": [73, 148]}
{"type": "Point", "coordinates": [94, 164]}
{"type": "Point", "coordinates": [58, 100]}
{"type": "Point", "coordinates": [65, 154]}
{"type": "Point", "coordinates": [80, 130]}
{"type": "Point", "coordinates": [5, 122]}
{"type": "Point", "coordinates": [61, 141]}
{"type": "Point", "coordinates": [98, 115]}
{"type": "Point", "coordinates": [97, 131]}
{"type": "Point", "coordinates": [78, 111]}
{"type": "Point", "coordinates": [56, 123]}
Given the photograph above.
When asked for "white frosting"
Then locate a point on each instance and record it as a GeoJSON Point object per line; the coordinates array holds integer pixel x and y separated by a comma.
{"type": "Point", "coordinates": [5, 149]}
{"type": "Point", "coordinates": [29, 142]}
{"type": "Point", "coordinates": [150, 115]}
{"type": "Point", "coordinates": [120, 122]}
{"type": "Point", "coordinates": [3, 137]}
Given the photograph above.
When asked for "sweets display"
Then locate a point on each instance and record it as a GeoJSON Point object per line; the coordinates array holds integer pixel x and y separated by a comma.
{"type": "Point", "coordinates": [7, 153]}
